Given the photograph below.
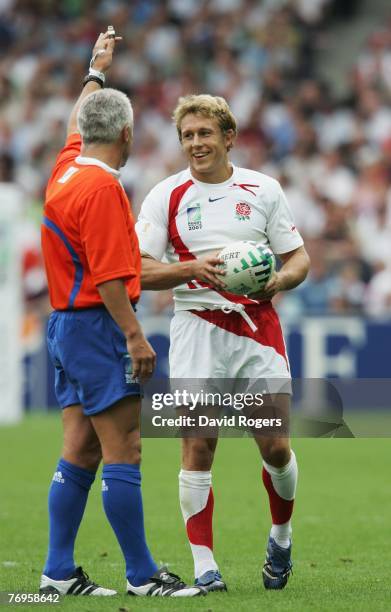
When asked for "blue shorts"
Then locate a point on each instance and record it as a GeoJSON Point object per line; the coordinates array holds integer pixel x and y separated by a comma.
{"type": "Point", "coordinates": [92, 364]}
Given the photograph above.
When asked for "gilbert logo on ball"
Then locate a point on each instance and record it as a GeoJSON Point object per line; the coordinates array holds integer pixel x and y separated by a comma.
{"type": "Point", "coordinates": [248, 266]}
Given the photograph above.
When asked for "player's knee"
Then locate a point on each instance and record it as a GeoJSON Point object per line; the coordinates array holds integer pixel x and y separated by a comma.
{"type": "Point", "coordinates": [198, 454]}
{"type": "Point", "coordinates": [276, 452]}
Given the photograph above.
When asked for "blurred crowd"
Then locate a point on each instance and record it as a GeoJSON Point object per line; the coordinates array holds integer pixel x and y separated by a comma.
{"type": "Point", "coordinates": [332, 155]}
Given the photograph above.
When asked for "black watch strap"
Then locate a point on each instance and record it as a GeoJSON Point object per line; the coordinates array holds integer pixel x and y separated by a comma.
{"type": "Point", "coordinates": [91, 77]}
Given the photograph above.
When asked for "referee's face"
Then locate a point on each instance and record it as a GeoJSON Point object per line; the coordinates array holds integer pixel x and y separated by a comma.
{"type": "Point", "coordinates": [206, 147]}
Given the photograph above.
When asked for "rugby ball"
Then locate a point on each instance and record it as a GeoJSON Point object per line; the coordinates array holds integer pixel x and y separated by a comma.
{"type": "Point", "coordinates": [248, 266]}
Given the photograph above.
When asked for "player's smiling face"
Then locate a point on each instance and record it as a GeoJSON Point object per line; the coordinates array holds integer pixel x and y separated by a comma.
{"type": "Point", "coordinates": [206, 148]}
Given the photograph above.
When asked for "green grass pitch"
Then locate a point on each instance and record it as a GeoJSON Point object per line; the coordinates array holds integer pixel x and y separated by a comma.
{"type": "Point", "coordinates": [342, 553]}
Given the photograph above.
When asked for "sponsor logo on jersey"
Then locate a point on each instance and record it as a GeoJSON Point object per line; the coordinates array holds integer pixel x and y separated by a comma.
{"type": "Point", "coordinates": [194, 217]}
{"type": "Point", "coordinates": [215, 199]}
{"type": "Point", "coordinates": [245, 187]}
{"type": "Point", "coordinates": [242, 211]}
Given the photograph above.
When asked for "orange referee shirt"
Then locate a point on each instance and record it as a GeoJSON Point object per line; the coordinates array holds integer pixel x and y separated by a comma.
{"type": "Point", "coordinates": [88, 234]}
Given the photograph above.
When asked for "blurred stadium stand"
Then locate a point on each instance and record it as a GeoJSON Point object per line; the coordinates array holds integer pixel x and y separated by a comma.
{"type": "Point", "coordinates": [309, 82]}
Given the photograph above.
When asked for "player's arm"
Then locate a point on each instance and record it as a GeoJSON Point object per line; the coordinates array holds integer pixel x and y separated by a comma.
{"type": "Point", "coordinates": [116, 300]}
{"type": "Point", "coordinates": [156, 275]}
{"type": "Point", "coordinates": [102, 56]}
{"type": "Point", "coordinates": [294, 269]}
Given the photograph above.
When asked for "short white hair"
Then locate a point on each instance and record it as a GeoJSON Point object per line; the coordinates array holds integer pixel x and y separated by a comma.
{"type": "Point", "coordinates": [103, 115]}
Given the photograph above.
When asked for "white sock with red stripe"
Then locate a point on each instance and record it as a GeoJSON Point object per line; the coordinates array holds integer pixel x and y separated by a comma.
{"type": "Point", "coordinates": [196, 499]}
{"type": "Point", "coordinates": [280, 484]}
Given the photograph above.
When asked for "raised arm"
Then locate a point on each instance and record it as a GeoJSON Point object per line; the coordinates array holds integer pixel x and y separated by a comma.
{"type": "Point", "coordinates": [102, 56]}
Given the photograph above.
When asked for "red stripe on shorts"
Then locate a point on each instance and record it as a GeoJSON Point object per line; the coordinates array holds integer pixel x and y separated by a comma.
{"type": "Point", "coordinates": [269, 332]}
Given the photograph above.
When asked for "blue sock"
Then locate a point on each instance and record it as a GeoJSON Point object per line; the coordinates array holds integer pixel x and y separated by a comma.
{"type": "Point", "coordinates": [121, 492]}
{"type": "Point", "coordinates": [67, 500]}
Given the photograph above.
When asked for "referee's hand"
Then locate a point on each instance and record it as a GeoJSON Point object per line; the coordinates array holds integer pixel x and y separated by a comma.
{"type": "Point", "coordinates": [143, 357]}
{"type": "Point", "coordinates": [102, 54]}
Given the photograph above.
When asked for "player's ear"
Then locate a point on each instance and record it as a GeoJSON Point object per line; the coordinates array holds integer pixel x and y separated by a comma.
{"type": "Point", "coordinates": [229, 137]}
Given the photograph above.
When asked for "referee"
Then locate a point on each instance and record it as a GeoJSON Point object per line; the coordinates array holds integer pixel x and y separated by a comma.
{"type": "Point", "coordinates": [97, 346]}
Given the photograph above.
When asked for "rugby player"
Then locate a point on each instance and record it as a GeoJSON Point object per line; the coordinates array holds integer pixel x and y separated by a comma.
{"type": "Point", "coordinates": [188, 218]}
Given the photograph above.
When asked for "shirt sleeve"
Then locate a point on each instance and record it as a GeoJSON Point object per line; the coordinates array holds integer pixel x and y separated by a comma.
{"type": "Point", "coordinates": [71, 149]}
{"type": "Point", "coordinates": [281, 230]}
{"type": "Point", "coordinates": [105, 224]}
{"type": "Point", "coordinates": [152, 225]}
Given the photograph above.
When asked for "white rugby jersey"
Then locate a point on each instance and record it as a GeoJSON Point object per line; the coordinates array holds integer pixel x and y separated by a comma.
{"type": "Point", "coordinates": [182, 219]}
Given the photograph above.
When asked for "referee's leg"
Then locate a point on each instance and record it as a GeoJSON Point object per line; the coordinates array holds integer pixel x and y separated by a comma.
{"type": "Point", "coordinates": [72, 480]}
{"type": "Point", "coordinates": [118, 430]}
{"type": "Point", "coordinates": [81, 445]}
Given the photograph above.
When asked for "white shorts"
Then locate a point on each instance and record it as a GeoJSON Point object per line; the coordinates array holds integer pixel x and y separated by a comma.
{"type": "Point", "coordinates": [212, 344]}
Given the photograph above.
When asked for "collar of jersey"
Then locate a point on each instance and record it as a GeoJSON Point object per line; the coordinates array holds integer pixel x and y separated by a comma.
{"type": "Point", "coordinates": [92, 161]}
{"type": "Point", "coordinates": [214, 185]}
